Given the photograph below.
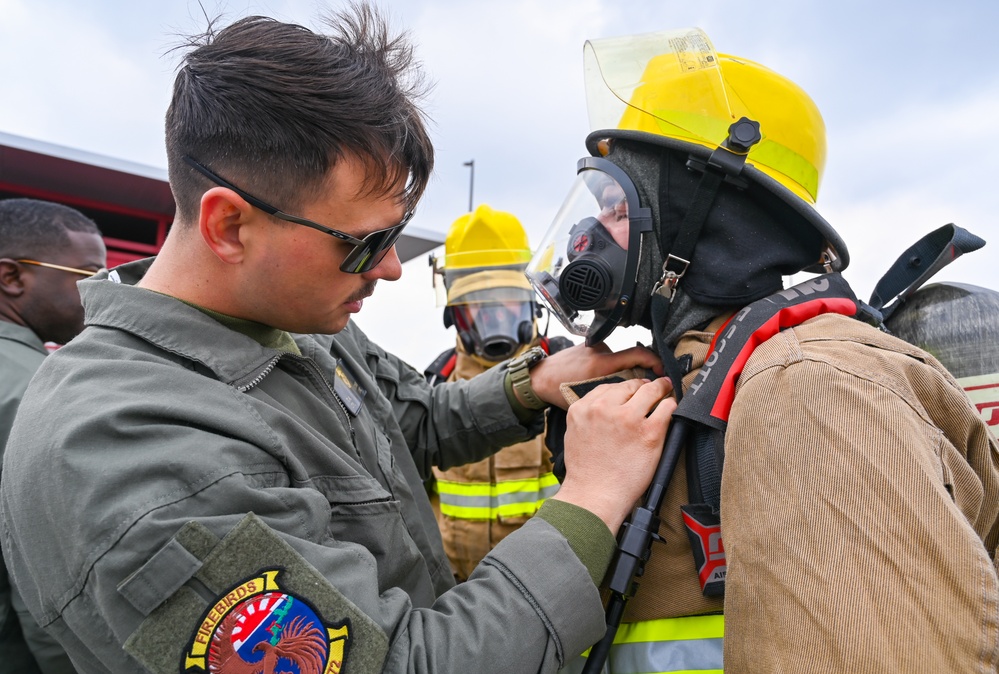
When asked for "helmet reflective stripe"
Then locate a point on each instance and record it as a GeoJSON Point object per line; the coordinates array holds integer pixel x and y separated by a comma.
{"type": "Point", "coordinates": [484, 501]}
{"type": "Point", "coordinates": [689, 644]}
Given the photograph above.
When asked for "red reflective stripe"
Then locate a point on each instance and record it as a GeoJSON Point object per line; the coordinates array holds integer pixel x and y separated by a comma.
{"type": "Point", "coordinates": [449, 366]}
{"type": "Point", "coordinates": [979, 388]}
{"type": "Point", "coordinates": [785, 318]}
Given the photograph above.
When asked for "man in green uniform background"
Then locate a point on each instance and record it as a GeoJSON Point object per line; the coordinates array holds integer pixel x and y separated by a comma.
{"type": "Point", "coordinates": [45, 248]}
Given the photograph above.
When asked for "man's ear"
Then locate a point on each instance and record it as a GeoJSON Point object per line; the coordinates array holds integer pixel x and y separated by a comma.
{"type": "Point", "coordinates": [223, 216]}
{"type": "Point", "coordinates": [11, 280]}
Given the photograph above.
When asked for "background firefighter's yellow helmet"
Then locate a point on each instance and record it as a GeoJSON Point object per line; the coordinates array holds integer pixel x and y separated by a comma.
{"type": "Point", "coordinates": [488, 298]}
{"type": "Point", "coordinates": [673, 84]}
{"type": "Point", "coordinates": [485, 253]}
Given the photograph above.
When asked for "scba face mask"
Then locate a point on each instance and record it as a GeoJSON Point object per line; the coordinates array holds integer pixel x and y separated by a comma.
{"type": "Point", "coordinates": [495, 331]}
{"type": "Point", "coordinates": [586, 267]}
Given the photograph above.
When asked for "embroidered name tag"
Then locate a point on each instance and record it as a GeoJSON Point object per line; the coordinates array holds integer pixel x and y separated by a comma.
{"type": "Point", "coordinates": [351, 393]}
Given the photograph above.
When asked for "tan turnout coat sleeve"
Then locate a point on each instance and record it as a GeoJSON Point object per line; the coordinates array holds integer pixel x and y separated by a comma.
{"type": "Point", "coordinates": [860, 501]}
{"type": "Point", "coordinates": [860, 512]}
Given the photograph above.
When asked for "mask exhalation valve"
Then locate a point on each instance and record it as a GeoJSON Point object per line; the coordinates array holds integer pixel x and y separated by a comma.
{"type": "Point", "coordinates": [585, 284]}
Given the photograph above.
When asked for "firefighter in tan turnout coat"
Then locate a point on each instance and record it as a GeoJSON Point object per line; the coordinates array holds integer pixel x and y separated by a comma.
{"type": "Point", "coordinates": [491, 305]}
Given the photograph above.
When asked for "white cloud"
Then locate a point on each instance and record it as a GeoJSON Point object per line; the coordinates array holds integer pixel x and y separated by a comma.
{"type": "Point", "coordinates": [894, 178]}
{"type": "Point", "coordinates": [906, 97]}
{"type": "Point", "coordinates": [71, 81]}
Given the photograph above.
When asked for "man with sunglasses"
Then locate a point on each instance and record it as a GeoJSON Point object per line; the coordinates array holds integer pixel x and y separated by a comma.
{"type": "Point", "coordinates": [45, 248]}
{"type": "Point", "coordinates": [231, 476]}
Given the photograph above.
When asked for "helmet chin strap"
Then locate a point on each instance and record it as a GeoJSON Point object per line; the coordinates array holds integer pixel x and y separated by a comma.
{"type": "Point", "coordinates": [724, 165]}
{"type": "Point", "coordinates": [670, 320]}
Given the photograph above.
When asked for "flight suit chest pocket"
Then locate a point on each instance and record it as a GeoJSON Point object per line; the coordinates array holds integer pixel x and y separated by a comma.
{"type": "Point", "coordinates": [371, 517]}
{"type": "Point", "coordinates": [376, 525]}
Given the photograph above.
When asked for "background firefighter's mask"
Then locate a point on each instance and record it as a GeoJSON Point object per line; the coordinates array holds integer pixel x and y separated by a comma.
{"type": "Point", "coordinates": [494, 331]}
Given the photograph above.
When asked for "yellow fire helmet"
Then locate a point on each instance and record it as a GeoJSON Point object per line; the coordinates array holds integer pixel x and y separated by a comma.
{"type": "Point", "coordinates": [485, 253]}
{"type": "Point", "coordinates": [672, 86]}
{"type": "Point", "coordinates": [686, 91]}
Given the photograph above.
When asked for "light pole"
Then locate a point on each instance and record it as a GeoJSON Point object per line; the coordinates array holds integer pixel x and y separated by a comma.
{"type": "Point", "coordinates": [471, 182]}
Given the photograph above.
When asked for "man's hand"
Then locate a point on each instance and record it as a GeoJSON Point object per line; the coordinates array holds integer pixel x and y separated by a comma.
{"type": "Point", "coordinates": [586, 362]}
{"type": "Point", "coordinates": [613, 442]}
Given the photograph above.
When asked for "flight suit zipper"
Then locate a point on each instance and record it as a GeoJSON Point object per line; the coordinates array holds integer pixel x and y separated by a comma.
{"type": "Point", "coordinates": [312, 367]}
{"type": "Point", "coordinates": [260, 377]}
{"type": "Point", "coordinates": [343, 408]}
{"type": "Point", "coordinates": [309, 365]}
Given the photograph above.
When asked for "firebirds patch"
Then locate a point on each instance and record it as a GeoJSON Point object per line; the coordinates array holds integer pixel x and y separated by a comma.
{"type": "Point", "coordinates": [257, 628]}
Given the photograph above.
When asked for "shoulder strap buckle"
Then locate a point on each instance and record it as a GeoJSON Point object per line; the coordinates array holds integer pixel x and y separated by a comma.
{"type": "Point", "coordinates": [673, 270]}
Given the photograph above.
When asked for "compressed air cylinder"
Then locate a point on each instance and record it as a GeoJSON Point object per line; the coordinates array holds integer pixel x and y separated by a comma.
{"type": "Point", "coordinates": [959, 325]}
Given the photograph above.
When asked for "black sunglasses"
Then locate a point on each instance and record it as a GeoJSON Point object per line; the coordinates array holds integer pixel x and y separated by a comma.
{"type": "Point", "coordinates": [367, 252]}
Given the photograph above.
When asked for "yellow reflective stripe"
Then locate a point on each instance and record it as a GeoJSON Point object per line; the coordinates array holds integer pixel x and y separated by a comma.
{"type": "Point", "coordinates": [504, 487]}
{"type": "Point", "coordinates": [672, 629]}
{"type": "Point", "coordinates": [484, 501]}
{"type": "Point", "coordinates": [474, 513]}
{"type": "Point", "coordinates": [777, 160]}
{"type": "Point", "coordinates": [687, 645]}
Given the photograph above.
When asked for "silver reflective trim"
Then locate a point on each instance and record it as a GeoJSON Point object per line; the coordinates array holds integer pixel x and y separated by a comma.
{"type": "Point", "coordinates": [667, 656]}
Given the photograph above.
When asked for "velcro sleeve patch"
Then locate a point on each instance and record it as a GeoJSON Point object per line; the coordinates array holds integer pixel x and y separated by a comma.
{"type": "Point", "coordinates": [268, 604]}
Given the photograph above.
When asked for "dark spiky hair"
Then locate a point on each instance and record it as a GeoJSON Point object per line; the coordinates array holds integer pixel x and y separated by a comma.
{"type": "Point", "coordinates": [274, 106]}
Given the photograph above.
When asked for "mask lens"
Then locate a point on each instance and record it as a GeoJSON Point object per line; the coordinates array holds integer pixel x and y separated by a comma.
{"type": "Point", "coordinates": [495, 329]}
{"type": "Point", "coordinates": [578, 267]}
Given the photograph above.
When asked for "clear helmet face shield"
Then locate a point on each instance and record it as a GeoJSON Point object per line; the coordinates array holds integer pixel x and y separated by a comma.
{"type": "Point", "coordinates": [586, 266]}
{"type": "Point", "coordinates": [668, 83]}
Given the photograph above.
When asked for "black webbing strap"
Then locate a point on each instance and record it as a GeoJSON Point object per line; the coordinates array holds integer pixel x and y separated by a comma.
{"type": "Point", "coordinates": [681, 252]}
{"type": "Point", "coordinates": [724, 164]}
{"type": "Point", "coordinates": [659, 310]}
{"type": "Point", "coordinates": [919, 262]}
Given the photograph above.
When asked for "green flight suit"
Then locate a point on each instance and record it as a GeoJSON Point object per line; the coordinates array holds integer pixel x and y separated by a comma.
{"type": "Point", "coordinates": [191, 479]}
{"type": "Point", "coordinates": [24, 647]}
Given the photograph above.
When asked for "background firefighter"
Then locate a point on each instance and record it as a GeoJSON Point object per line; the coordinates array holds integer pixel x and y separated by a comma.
{"type": "Point", "coordinates": [859, 502]}
{"type": "Point", "coordinates": [491, 306]}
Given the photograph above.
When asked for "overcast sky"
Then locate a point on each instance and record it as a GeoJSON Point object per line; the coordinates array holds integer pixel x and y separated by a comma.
{"type": "Point", "coordinates": [908, 90]}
